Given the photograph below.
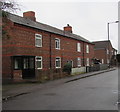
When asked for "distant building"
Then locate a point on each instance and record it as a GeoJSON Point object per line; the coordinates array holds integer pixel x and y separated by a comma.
{"type": "Point", "coordinates": [105, 52]}
{"type": "Point", "coordinates": [34, 49]}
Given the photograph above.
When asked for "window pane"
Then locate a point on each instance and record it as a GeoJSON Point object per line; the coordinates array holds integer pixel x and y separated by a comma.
{"type": "Point", "coordinates": [38, 40]}
{"type": "Point", "coordinates": [17, 63]}
{"type": "Point", "coordinates": [57, 43]}
{"type": "Point", "coordinates": [87, 61]}
{"type": "Point", "coordinates": [78, 47]}
{"type": "Point", "coordinates": [87, 48]}
{"type": "Point", "coordinates": [31, 63]}
{"type": "Point", "coordinates": [25, 61]}
{"type": "Point", "coordinates": [79, 62]}
{"type": "Point", "coordinates": [39, 62]}
{"type": "Point", "coordinates": [58, 63]}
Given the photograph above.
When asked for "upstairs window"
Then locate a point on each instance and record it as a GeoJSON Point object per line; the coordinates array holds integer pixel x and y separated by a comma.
{"type": "Point", "coordinates": [112, 52]}
{"type": "Point", "coordinates": [107, 51]}
{"type": "Point", "coordinates": [57, 43]}
{"type": "Point", "coordinates": [87, 48]}
{"type": "Point", "coordinates": [38, 40]}
{"type": "Point", "coordinates": [78, 47]}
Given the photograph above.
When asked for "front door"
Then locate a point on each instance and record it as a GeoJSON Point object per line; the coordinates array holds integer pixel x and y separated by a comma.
{"type": "Point", "coordinates": [28, 70]}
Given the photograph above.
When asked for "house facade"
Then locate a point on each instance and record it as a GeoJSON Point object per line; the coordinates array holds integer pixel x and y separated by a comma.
{"type": "Point", "coordinates": [34, 48]}
{"type": "Point", "coordinates": [105, 52]}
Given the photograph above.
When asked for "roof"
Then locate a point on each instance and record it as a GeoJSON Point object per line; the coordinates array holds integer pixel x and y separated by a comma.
{"type": "Point", "coordinates": [27, 22]}
{"type": "Point", "coordinates": [115, 49]}
{"type": "Point", "coordinates": [101, 44]}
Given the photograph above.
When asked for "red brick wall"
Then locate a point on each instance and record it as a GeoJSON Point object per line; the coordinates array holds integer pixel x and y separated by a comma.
{"type": "Point", "coordinates": [101, 54]}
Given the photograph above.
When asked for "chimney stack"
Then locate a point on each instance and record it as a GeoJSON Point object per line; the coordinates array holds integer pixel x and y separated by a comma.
{"type": "Point", "coordinates": [30, 15]}
{"type": "Point", "coordinates": [68, 28]}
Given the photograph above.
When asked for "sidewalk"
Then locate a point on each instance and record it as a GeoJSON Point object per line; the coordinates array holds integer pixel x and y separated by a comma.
{"type": "Point", "coordinates": [15, 90]}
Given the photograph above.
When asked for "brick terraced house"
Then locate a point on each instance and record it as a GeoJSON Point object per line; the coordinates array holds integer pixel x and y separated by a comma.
{"type": "Point", "coordinates": [34, 49]}
{"type": "Point", "coordinates": [105, 52]}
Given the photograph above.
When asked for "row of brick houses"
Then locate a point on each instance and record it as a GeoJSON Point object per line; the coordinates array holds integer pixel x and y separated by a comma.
{"type": "Point", "coordinates": [34, 48]}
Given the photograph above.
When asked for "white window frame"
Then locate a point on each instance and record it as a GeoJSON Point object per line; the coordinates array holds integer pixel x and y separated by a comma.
{"type": "Point", "coordinates": [38, 58]}
{"type": "Point", "coordinates": [112, 52]}
{"type": "Point", "coordinates": [78, 61]}
{"type": "Point", "coordinates": [108, 61]}
{"type": "Point", "coordinates": [38, 36]}
{"type": "Point", "coordinates": [102, 61]}
{"type": "Point", "coordinates": [56, 61]}
{"type": "Point", "coordinates": [87, 61]}
{"type": "Point", "coordinates": [87, 48]}
{"type": "Point", "coordinates": [57, 41]}
{"type": "Point", "coordinates": [107, 51]}
{"type": "Point", "coordinates": [79, 47]}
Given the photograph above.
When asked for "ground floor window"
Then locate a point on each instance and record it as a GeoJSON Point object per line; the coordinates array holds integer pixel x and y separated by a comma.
{"type": "Point", "coordinates": [58, 62]}
{"type": "Point", "coordinates": [108, 61]}
{"type": "Point", "coordinates": [87, 62]}
{"type": "Point", "coordinates": [39, 62]}
{"type": "Point", "coordinates": [102, 61]}
{"type": "Point", "coordinates": [79, 61]}
{"type": "Point", "coordinates": [17, 63]}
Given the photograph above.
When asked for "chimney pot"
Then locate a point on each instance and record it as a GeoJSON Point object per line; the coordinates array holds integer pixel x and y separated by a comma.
{"type": "Point", "coordinates": [68, 25]}
{"type": "Point", "coordinates": [68, 28]}
{"type": "Point", "coordinates": [30, 15]}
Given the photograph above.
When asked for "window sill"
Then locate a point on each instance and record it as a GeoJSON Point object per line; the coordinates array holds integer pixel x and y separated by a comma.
{"type": "Point", "coordinates": [38, 46]}
{"type": "Point", "coordinates": [58, 67]}
{"type": "Point", "coordinates": [57, 48]}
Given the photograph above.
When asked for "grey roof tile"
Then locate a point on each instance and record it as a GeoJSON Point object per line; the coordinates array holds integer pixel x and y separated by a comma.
{"type": "Point", "coordinates": [101, 44]}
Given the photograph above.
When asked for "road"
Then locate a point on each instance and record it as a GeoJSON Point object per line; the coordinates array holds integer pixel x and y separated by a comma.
{"type": "Point", "coordinates": [98, 92]}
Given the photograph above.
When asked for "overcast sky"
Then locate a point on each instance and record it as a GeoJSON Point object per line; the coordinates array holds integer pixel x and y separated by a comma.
{"type": "Point", "coordinates": [88, 19]}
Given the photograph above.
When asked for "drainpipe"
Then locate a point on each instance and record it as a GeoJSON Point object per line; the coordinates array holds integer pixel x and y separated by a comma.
{"type": "Point", "coordinates": [50, 52]}
{"type": "Point", "coordinates": [83, 55]}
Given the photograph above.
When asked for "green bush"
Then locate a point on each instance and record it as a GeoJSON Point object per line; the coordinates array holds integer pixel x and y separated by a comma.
{"type": "Point", "coordinates": [67, 68]}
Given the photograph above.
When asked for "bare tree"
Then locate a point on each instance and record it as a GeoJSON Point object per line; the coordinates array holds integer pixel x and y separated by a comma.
{"type": "Point", "coordinates": [9, 5]}
{"type": "Point", "coordinates": [6, 7]}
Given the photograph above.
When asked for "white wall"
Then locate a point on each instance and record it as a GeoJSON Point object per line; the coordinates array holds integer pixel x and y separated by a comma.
{"type": "Point", "coordinates": [80, 70]}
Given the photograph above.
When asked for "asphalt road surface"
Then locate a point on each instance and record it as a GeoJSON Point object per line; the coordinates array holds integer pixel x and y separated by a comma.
{"type": "Point", "coordinates": [98, 92]}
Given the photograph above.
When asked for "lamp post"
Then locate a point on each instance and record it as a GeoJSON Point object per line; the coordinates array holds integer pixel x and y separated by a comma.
{"type": "Point", "coordinates": [109, 39]}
